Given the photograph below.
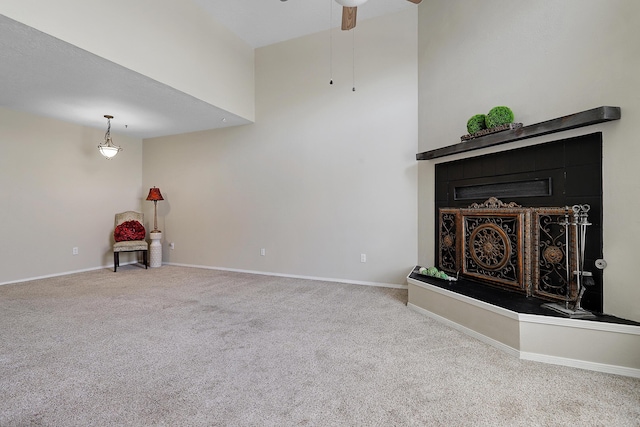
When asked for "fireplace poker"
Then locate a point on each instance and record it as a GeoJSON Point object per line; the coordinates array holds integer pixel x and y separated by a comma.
{"type": "Point", "coordinates": [565, 223]}
{"type": "Point", "coordinates": [584, 222]}
{"type": "Point", "coordinates": [586, 277]}
{"type": "Point", "coordinates": [577, 247]}
{"type": "Point", "coordinates": [579, 223]}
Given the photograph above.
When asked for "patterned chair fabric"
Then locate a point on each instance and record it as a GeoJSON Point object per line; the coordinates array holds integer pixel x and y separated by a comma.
{"type": "Point", "coordinates": [129, 245]}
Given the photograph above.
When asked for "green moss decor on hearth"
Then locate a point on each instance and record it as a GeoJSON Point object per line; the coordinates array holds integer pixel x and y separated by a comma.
{"type": "Point", "coordinates": [498, 116]}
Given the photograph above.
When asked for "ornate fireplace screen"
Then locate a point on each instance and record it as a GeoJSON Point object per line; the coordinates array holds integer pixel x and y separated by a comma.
{"type": "Point", "coordinates": [531, 250]}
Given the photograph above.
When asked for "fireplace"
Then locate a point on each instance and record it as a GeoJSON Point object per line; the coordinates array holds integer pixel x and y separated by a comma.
{"type": "Point", "coordinates": [511, 219]}
{"type": "Point", "coordinates": [532, 187]}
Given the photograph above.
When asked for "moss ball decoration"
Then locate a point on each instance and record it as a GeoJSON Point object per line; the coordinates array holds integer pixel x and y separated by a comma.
{"type": "Point", "coordinates": [499, 116]}
{"type": "Point", "coordinates": [433, 272]}
{"type": "Point", "coordinates": [476, 123]}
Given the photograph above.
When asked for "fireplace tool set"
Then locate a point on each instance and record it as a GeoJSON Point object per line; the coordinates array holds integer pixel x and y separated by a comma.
{"type": "Point", "coordinates": [583, 279]}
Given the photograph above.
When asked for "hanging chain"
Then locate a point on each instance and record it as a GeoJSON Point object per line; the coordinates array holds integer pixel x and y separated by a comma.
{"type": "Point", "coordinates": [107, 135]}
{"type": "Point", "coordinates": [353, 58]}
{"type": "Point", "coordinates": [330, 42]}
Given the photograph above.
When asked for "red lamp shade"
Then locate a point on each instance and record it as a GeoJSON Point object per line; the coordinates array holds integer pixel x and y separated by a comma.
{"type": "Point", "coordinates": [154, 194]}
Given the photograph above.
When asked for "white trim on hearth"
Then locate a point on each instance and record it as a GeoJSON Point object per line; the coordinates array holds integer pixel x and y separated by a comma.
{"type": "Point", "coordinates": [585, 344]}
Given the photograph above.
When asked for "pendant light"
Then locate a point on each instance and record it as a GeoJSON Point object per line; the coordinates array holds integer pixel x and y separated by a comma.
{"type": "Point", "coordinates": [107, 149]}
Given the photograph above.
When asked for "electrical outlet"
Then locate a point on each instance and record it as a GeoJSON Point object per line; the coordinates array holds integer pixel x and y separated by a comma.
{"type": "Point", "coordinates": [74, 251]}
{"type": "Point", "coordinates": [363, 257]}
{"type": "Point", "coordinates": [263, 252]}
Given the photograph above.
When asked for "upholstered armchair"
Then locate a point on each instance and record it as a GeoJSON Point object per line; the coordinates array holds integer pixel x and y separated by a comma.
{"type": "Point", "coordinates": [129, 236]}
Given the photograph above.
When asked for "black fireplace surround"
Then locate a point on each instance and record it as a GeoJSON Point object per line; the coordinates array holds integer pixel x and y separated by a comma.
{"type": "Point", "coordinates": [561, 173]}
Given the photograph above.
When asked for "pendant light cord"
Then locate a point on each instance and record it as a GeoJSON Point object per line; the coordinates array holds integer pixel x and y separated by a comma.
{"type": "Point", "coordinates": [330, 42]}
{"type": "Point", "coordinates": [353, 58]}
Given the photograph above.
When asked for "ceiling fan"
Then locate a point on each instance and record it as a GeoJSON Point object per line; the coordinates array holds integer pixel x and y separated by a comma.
{"type": "Point", "coordinates": [350, 9]}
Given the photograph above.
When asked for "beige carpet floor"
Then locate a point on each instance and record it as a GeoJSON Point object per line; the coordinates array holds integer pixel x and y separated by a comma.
{"type": "Point", "coordinates": [177, 346]}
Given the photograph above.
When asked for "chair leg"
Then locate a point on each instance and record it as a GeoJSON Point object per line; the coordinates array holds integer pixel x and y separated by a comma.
{"type": "Point", "coordinates": [116, 261]}
{"type": "Point", "coordinates": [146, 260]}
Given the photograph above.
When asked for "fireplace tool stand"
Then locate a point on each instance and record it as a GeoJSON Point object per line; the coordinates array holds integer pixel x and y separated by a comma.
{"type": "Point", "coordinates": [583, 279]}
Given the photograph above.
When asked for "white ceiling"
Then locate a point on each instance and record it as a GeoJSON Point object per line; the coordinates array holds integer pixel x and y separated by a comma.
{"type": "Point", "coordinates": [264, 22]}
{"type": "Point", "coordinates": [42, 75]}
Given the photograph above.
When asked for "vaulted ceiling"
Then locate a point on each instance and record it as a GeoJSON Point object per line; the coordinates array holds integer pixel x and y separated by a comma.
{"type": "Point", "coordinates": [43, 75]}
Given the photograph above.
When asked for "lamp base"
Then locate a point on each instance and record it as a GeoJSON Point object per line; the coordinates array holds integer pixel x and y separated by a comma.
{"type": "Point", "coordinates": [155, 249]}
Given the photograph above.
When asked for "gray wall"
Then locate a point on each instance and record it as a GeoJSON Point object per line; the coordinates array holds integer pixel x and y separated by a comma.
{"type": "Point", "coordinates": [324, 175]}
{"type": "Point", "coordinates": [57, 192]}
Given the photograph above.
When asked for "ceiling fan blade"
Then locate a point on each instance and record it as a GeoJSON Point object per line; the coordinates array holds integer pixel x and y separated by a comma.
{"type": "Point", "coordinates": [349, 17]}
{"type": "Point", "coordinates": [415, 1]}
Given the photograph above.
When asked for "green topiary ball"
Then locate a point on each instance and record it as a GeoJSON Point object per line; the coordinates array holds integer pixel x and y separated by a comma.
{"type": "Point", "coordinates": [432, 271]}
{"type": "Point", "coordinates": [499, 116]}
{"type": "Point", "coordinates": [476, 123]}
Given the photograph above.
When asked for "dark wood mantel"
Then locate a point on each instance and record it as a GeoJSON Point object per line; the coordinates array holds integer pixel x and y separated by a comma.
{"type": "Point", "coordinates": [577, 120]}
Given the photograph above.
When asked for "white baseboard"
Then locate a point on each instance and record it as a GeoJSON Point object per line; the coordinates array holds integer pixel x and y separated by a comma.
{"type": "Point", "coordinates": [65, 273]}
{"type": "Point", "coordinates": [581, 364]}
{"type": "Point", "coordinates": [294, 276]}
{"type": "Point", "coordinates": [207, 267]}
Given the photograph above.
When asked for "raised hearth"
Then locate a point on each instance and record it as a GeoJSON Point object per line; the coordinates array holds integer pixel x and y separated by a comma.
{"type": "Point", "coordinates": [519, 326]}
{"type": "Point", "coordinates": [503, 298]}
